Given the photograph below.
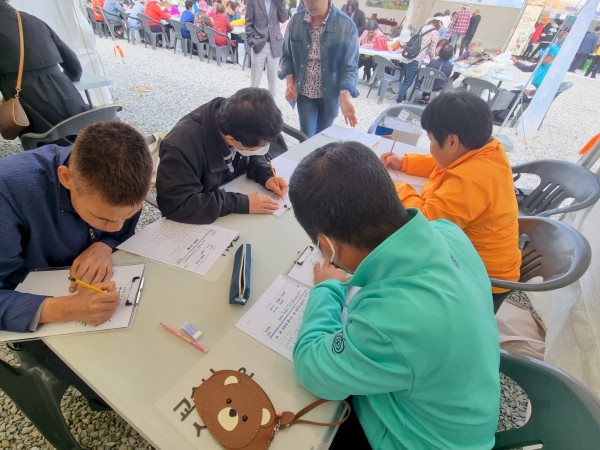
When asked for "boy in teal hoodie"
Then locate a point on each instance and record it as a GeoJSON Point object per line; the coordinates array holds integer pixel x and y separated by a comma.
{"type": "Point", "coordinates": [419, 352]}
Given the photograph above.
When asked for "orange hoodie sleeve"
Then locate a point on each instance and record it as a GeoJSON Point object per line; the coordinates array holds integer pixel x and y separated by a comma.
{"type": "Point", "coordinates": [418, 164]}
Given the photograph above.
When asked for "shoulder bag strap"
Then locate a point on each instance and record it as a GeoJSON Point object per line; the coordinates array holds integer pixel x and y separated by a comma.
{"type": "Point", "coordinates": [21, 55]}
{"type": "Point", "coordinates": [288, 418]}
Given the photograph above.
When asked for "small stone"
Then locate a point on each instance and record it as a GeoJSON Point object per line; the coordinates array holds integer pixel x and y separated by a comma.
{"type": "Point", "coordinates": [5, 443]}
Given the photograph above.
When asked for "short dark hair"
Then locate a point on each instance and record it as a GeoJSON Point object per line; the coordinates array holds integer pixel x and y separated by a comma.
{"type": "Point", "coordinates": [462, 113]}
{"type": "Point", "coordinates": [112, 159]}
{"type": "Point", "coordinates": [251, 117]}
{"type": "Point", "coordinates": [353, 4]}
{"type": "Point", "coordinates": [446, 52]}
{"type": "Point", "coordinates": [558, 22]}
{"type": "Point", "coordinates": [188, 4]}
{"type": "Point", "coordinates": [329, 196]}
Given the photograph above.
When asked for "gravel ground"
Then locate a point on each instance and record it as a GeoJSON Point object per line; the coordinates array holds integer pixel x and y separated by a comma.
{"type": "Point", "coordinates": [155, 89]}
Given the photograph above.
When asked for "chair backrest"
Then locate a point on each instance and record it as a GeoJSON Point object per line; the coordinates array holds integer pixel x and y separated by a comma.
{"type": "Point", "coordinates": [109, 17]}
{"type": "Point", "coordinates": [428, 77]}
{"type": "Point", "coordinates": [381, 63]}
{"type": "Point", "coordinates": [145, 20]}
{"type": "Point", "coordinates": [90, 13]}
{"type": "Point", "coordinates": [395, 111]}
{"type": "Point", "coordinates": [194, 30]}
{"type": "Point", "coordinates": [552, 250]}
{"type": "Point", "coordinates": [478, 86]}
{"type": "Point", "coordinates": [210, 32]}
{"type": "Point", "coordinates": [564, 413]}
{"type": "Point", "coordinates": [559, 181]}
{"type": "Point", "coordinates": [177, 26]}
{"type": "Point", "coordinates": [69, 127]}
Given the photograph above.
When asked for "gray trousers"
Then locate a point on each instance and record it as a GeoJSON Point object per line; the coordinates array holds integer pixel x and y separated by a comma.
{"type": "Point", "coordinates": [259, 60]}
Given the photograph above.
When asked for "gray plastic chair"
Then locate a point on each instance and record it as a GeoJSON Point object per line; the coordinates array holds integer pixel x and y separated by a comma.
{"type": "Point", "coordinates": [185, 42]}
{"type": "Point", "coordinates": [564, 413]}
{"type": "Point", "coordinates": [559, 181]}
{"type": "Point", "coordinates": [37, 393]}
{"type": "Point", "coordinates": [69, 127]}
{"type": "Point", "coordinates": [478, 87]}
{"type": "Point", "coordinates": [247, 54]}
{"type": "Point", "coordinates": [217, 50]}
{"type": "Point", "coordinates": [97, 26]}
{"type": "Point", "coordinates": [110, 23]}
{"type": "Point", "coordinates": [394, 111]}
{"type": "Point", "coordinates": [428, 77]}
{"type": "Point", "coordinates": [550, 249]}
{"type": "Point", "coordinates": [129, 31]}
{"type": "Point", "coordinates": [201, 46]}
{"type": "Point", "coordinates": [150, 35]}
{"type": "Point", "coordinates": [382, 77]}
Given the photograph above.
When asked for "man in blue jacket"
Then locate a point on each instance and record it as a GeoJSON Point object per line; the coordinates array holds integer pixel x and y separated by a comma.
{"type": "Point", "coordinates": [320, 65]}
{"type": "Point", "coordinates": [68, 206]}
{"type": "Point", "coordinates": [419, 351]}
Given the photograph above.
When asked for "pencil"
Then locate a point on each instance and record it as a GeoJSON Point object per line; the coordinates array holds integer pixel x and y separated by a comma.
{"type": "Point", "coordinates": [274, 175]}
{"type": "Point", "coordinates": [392, 150]}
{"type": "Point", "coordinates": [85, 285]}
{"type": "Point", "coordinates": [183, 337]}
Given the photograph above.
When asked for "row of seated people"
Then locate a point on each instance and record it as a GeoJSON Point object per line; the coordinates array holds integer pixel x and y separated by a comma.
{"type": "Point", "coordinates": [423, 320]}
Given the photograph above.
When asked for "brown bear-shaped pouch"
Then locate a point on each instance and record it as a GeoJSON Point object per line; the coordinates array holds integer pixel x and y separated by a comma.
{"type": "Point", "coordinates": [236, 410]}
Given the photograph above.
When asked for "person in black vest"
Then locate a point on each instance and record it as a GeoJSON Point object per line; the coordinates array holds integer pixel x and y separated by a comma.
{"type": "Point", "coordinates": [48, 95]}
{"type": "Point", "coordinates": [358, 16]}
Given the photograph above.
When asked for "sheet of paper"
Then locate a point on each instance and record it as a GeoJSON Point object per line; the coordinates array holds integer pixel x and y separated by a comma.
{"type": "Point", "coordinates": [55, 283]}
{"type": "Point", "coordinates": [276, 316]}
{"type": "Point", "coordinates": [195, 248]}
{"type": "Point", "coordinates": [350, 134]}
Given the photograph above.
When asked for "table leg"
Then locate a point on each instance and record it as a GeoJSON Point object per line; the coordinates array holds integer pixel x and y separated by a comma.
{"type": "Point", "coordinates": [89, 98]}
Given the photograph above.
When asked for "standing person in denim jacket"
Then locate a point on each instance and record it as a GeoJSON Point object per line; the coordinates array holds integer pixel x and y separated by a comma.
{"type": "Point", "coordinates": [320, 65]}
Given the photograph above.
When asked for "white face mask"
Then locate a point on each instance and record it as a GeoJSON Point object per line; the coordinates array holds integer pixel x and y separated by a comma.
{"type": "Point", "coordinates": [258, 152]}
{"type": "Point", "coordinates": [332, 250]}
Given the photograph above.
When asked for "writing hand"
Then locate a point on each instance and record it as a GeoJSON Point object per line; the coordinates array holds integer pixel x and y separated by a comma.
{"type": "Point", "coordinates": [328, 271]}
{"type": "Point", "coordinates": [85, 306]}
{"type": "Point", "coordinates": [391, 160]}
{"type": "Point", "coordinates": [272, 186]}
{"type": "Point", "coordinates": [261, 204]}
{"type": "Point", "coordinates": [94, 265]}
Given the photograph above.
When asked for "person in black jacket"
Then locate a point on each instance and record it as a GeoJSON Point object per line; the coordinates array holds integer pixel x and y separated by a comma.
{"type": "Point", "coordinates": [48, 95]}
{"type": "Point", "coordinates": [358, 16]}
{"type": "Point", "coordinates": [211, 146]}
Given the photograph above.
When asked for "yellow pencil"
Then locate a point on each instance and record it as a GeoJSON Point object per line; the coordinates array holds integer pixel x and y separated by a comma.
{"type": "Point", "coordinates": [85, 285]}
{"type": "Point", "coordinates": [274, 175]}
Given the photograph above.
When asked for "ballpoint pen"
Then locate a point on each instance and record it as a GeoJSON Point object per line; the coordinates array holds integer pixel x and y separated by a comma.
{"type": "Point", "coordinates": [181, 336]}
{"type": "Point", "coordinates": [84, 284]}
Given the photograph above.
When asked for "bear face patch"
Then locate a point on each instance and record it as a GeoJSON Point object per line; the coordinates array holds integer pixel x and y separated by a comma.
{"type": "Point", "coordinates": [236, 410]}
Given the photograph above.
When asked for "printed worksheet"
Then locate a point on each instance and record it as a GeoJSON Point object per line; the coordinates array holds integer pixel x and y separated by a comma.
{"type": "Point", "coordinates": [195, 248]}
{"type": "Point", "coordinates": [128, 278]}
{"type": "Point", "coordinates": [349, 134]}
{"type": "Point", "coordinates": [276, 316]}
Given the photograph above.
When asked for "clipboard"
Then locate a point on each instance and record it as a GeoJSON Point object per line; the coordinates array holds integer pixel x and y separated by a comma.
{"type": "Point", "coordinates": [54, 282]}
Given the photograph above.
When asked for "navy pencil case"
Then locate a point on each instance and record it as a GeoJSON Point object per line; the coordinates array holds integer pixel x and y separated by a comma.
{"type": "Point", "coordinates": [239, 292]}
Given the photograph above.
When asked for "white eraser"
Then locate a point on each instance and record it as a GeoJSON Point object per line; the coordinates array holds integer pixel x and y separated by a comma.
{"type": "Point", "coordinates": [191, 329]}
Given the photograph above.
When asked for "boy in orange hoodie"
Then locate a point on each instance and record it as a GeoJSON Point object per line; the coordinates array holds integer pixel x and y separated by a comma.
{"type": "Point", "coordinates": [470, 180]}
